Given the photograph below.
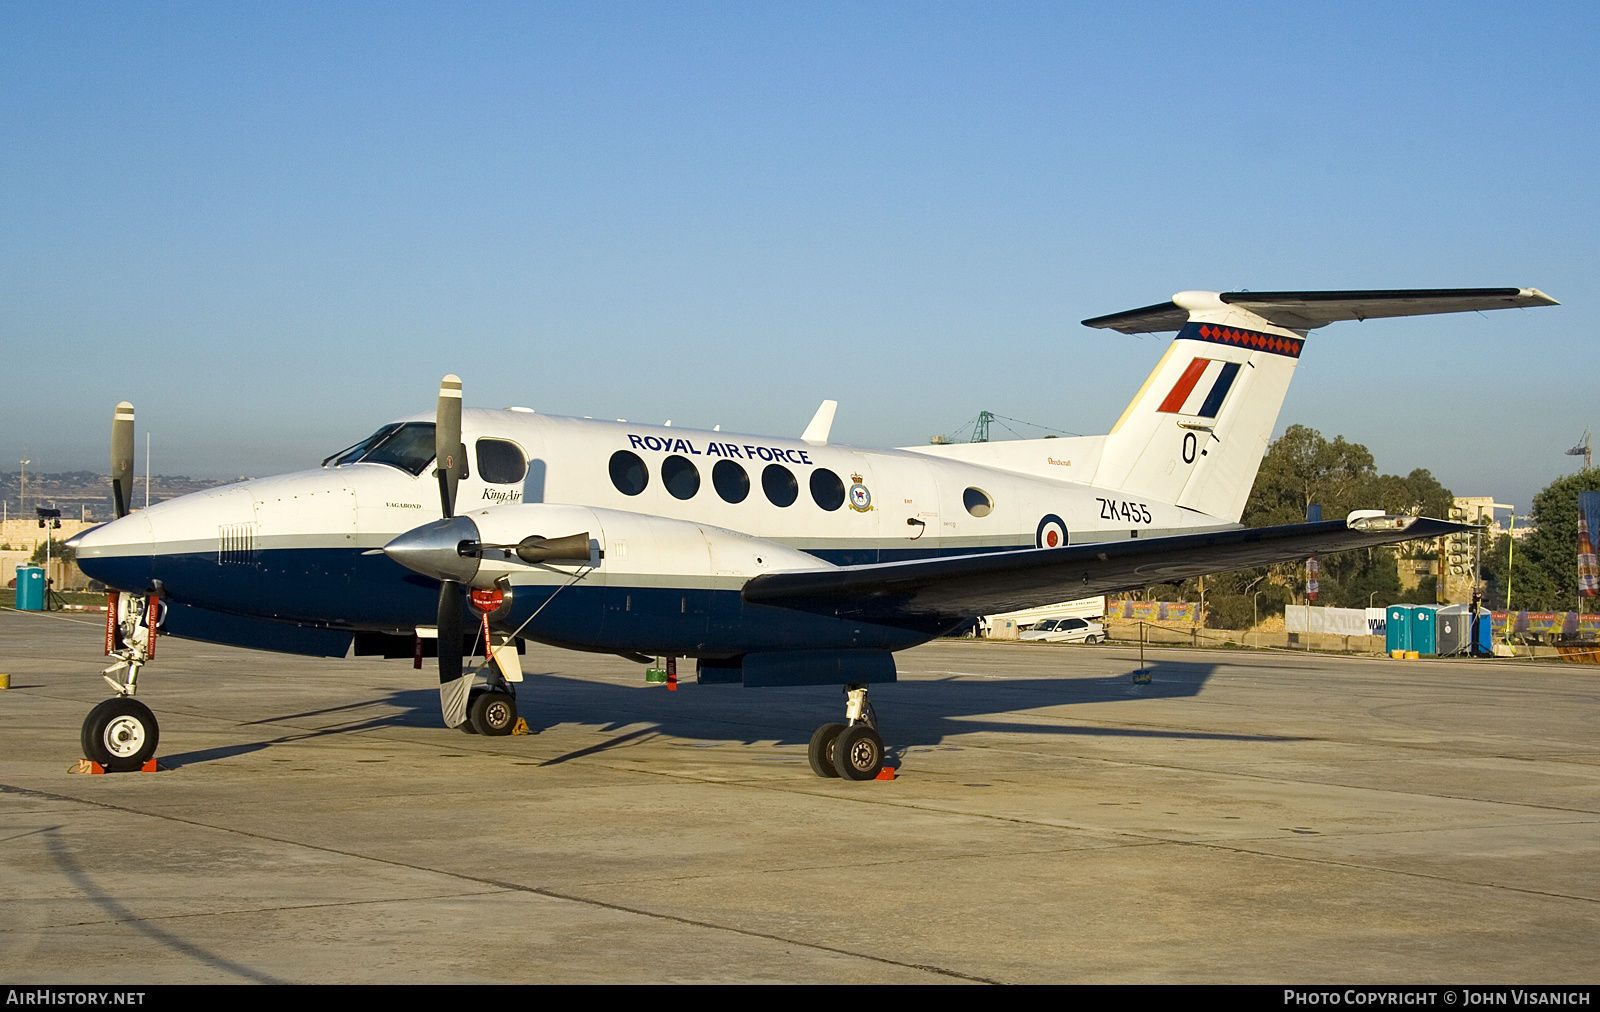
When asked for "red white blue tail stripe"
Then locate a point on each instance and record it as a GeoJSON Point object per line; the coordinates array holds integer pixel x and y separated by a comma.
{"type": "Point", "coordinates": [1201, 389]}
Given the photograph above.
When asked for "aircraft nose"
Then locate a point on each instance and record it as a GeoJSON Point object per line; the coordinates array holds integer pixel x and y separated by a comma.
{"type": "Point", "coordinates": [435, 549]}
{"type": "Point", "coordinates": [119, 554]}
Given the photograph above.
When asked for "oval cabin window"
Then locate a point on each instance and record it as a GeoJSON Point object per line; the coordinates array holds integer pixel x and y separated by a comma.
{"type": "Point", "coordinates": [779, 484]}
{"type": "Point", "coordinates": [977, 502]}
{"type": "Point", "coordinates": [628, 472]}
{"type": "Point", "coordinates": [827, 489]}
{"type": "Point", "coordinates": [680, 476]}
{"type": "Point", "coordinates": [731, 482]}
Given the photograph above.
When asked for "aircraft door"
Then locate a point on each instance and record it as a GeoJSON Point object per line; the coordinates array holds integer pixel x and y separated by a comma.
{"type": "Point", "coordinates": [905, 498]}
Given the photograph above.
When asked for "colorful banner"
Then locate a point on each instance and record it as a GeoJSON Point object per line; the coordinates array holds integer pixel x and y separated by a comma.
{"type": "Point", "coordinates": [1183, 612]}
{"type": "Point", "coordinates": [1313, 570]}
{"type": "Point", "coordinates": [1588, 537]}
{"type": "Point", "coordinates": [1545, 623]}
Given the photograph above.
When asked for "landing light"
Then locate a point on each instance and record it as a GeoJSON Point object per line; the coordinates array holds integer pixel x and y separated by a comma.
{"type": "Point", "coordinates": [1377, 520]}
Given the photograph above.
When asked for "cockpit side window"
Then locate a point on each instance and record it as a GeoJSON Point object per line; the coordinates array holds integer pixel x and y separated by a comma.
{"type": "Point", "coordinates": [501, 462]}
{"type": "Point", "coordinates": [407, 445]}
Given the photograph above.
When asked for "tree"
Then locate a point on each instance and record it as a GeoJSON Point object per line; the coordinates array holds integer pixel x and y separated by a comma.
{"type": "Point", "coordinates": [1546, 561]}
{"type": "Point", "coordinates": [58, 552]}
{"type": "Point", "coordinates": [1299, 469]}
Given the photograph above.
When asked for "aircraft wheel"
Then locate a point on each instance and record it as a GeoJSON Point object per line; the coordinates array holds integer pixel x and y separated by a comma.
{"type": "Point", "coordinates": [120, 734]}
{"type": "Point", "coordinates": [493, 713]}
{"type": "Point", "coordinates": [858, 753]}
{"type": "Point", "coordinates": [820, 751]}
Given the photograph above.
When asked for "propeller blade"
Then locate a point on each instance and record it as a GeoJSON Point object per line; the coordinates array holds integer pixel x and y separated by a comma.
{"type": "Point", "coordinates": [453, 687]}
{"type": "Point", "coordinates": [122, 458]}
{"type": "Point", "coordinates": [447, 443]}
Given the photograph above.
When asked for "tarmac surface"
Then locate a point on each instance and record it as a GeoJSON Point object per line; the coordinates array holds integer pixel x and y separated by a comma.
{"type": "Point", "coordinates": [1247, 817]}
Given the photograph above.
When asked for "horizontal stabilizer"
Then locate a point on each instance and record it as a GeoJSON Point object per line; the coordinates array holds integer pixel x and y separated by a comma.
{"type": "Point", "coordinates": [961, 587]}
{"type": "Point", "coordinates": [1309, 310]}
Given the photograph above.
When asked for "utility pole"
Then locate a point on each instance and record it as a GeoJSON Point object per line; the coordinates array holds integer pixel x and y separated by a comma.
{"type": "Point", "coordinates": [22, 491]}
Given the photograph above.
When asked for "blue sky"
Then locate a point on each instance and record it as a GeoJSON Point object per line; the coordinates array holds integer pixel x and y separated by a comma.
{"type": "Point", "coordinates": [273, 227]}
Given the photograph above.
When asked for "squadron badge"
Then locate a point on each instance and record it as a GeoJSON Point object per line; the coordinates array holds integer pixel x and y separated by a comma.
{"type": "Point", "coordinates": [860, 498]}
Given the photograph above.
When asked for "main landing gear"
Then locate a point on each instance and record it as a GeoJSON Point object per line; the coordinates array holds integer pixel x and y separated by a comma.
{"type": "Point", "coordinates": [852, 750]}
{"type": "Point", "coordinates": [492, 708]}
{"type": "Point", "coordinates": [121, 733]}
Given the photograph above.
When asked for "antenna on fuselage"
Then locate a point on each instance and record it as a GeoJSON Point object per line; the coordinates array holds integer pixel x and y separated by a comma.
{"type": "Point", "coordinates": [821, 424]}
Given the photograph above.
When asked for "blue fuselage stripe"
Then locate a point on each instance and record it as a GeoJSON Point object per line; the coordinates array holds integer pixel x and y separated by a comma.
{"type": "Point", "coordinates": [346, 589]}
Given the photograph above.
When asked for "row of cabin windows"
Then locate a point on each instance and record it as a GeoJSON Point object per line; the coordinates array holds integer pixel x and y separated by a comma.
{"type": "Point", "coordinates": [631, 476]}
{"type": "Point", "coordinates": [409, 445]}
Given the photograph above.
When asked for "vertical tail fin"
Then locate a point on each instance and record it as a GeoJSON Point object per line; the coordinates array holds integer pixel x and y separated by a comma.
{"type": "Point", "coordinates": [1197, 430]}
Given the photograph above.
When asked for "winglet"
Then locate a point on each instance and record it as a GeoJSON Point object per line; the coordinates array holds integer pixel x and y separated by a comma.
{"type": "Point", "coordinates": [821, 424]}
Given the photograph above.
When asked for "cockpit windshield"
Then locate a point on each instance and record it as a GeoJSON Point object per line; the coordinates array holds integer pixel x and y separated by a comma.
{"type": "Point", "coordinates": [406, 445]}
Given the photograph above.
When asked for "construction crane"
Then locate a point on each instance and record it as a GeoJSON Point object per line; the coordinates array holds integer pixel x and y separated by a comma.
{"type": "Point", "coordinates": [1584, 449]}
{"type": "Point", "coordinates": [980, 431]}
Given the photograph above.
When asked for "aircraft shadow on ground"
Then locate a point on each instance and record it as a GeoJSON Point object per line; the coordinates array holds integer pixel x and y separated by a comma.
{"type": "Point", "coordinates": [911, 714]}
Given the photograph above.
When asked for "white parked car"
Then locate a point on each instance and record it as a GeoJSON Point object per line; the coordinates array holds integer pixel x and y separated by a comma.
{"type": "Point", "coordinates": [1066, 630]}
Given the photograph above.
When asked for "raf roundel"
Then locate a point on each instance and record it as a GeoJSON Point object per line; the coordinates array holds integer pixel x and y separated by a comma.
{"type": "Point", "coordinates": [1052, 533]}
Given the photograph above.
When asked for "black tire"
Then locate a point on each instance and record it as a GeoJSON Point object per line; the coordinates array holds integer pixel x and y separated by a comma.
{"type": "Point", "coordinates": [493, 714]}
{"type": "Point", "coordinates": [120, 734]}
{"type": "Point", "coordinates": [858, 753]}
{"type": "Point", "coordinates": [820, 751]}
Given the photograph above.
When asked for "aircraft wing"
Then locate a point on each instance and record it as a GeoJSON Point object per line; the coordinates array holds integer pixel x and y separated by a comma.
{"type": "Point", "coordinates": [1310, 310]}
{"type": "Point", "coordinates": [961, 587]}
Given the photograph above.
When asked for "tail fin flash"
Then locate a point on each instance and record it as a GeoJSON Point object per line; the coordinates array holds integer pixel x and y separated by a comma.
{"type": "Point", "coordinates": [1198, 428]}
{"type": "Point", "coordinates": [1195, 433]}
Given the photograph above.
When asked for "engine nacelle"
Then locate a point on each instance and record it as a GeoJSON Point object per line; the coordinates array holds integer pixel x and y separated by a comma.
{"type": "Point", "coordinates": [535, 543]}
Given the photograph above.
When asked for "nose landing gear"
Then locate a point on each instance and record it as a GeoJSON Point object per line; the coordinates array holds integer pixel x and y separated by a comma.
{"type": "Point", "coordinates": [852, 750]}
{"type": "Point", "coordinates": [121, 733]}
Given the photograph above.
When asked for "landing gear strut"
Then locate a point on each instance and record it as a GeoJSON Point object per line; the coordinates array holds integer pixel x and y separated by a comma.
{"type": "Point", "coordinates": [852, 750]}
{"type": "Point", "coordinates": [121, 733]}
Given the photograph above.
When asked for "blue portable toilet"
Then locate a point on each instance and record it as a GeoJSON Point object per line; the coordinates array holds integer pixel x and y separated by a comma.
{"type": "Point", "coordinates": [1397, 627]}
{"type": "Point", "coordinates": [30, 588]}
{"type": "Point", "coordinates": [1424, 629]}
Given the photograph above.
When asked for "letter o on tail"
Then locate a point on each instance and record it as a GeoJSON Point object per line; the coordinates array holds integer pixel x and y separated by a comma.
{"type": "Point", "coordinates": [1052, 533]}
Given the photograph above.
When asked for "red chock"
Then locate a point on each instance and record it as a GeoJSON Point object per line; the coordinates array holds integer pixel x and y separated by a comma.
{"type": "Point", "coordinates": [887, 773]}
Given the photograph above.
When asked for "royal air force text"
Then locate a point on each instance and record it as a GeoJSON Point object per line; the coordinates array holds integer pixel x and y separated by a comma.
{"type": "Point", "coordinates": [740, 451]}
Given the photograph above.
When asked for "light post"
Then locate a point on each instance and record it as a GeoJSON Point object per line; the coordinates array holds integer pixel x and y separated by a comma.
{"type": "Point", "coordinates": [1370, 597]}
{"type": "Point", "coordinates": [1511, 557]}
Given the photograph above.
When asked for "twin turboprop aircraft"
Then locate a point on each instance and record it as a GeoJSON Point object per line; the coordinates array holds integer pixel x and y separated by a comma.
{"type": "Point", "coordinates": [772, 562]}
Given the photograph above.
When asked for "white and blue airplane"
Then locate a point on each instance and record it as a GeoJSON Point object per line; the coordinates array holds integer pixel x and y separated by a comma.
{"type": "Point", "coordinates": [771, 561]}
